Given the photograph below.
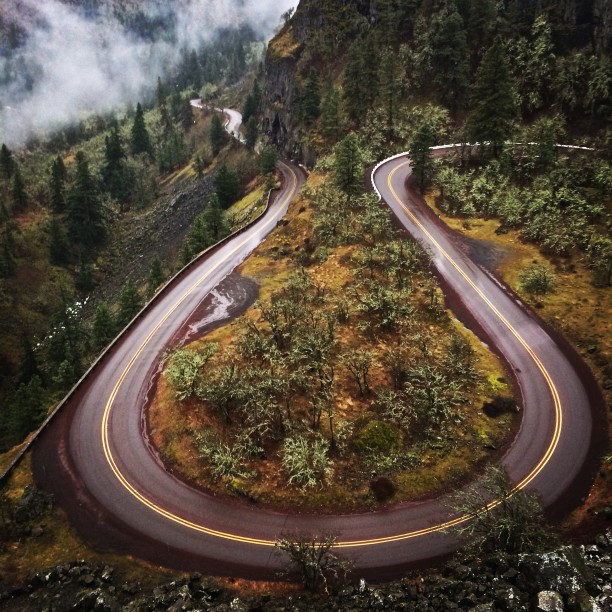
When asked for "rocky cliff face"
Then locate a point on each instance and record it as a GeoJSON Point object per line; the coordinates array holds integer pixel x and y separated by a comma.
{"type": "Point", "coordinates": [282, 71]}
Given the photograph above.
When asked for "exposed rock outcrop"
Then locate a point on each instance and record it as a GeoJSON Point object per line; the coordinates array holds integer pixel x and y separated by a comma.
{"type": "Point", "coordinates": [282, 73]}
{"type": "Point", "coordinates": [571, 579]}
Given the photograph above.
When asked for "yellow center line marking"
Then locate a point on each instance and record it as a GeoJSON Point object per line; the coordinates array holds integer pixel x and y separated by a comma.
{"type": "Point", "coordinates": [109, 404]}
{"type": "Point", "coordinates": [553, 390]}
{"type": "Point", "coordinates": [344, 544]}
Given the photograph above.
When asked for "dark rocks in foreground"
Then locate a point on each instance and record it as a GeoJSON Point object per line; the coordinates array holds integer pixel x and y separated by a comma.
{"type": "Point", "coordinates": [570, 578]}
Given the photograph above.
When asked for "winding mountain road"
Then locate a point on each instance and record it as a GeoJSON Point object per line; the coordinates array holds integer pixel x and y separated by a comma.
{"type": "Point", "coordinates": [96, 459]}
{"type": "Point", "coordinates": [233, 119]}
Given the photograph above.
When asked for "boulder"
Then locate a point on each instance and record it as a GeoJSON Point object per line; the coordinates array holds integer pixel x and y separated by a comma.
{"type": "Point", "coordinates": [511, 599]}
{"type": "Point", "coordinates": [581, 602]}
{"type": "Point", "coordinates": [32, 505]}
{"type": "Point", "coordinates": [548, 601]}
{"type": "Point", "coordinates": [562, 570]}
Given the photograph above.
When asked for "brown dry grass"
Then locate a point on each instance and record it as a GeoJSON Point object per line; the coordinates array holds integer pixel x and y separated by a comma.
{"type": "Point", "coordinates": [283, 44]}
{"type": "Point", "coordinates": [60, 544]}
{"type": "Point", "coordinates": [576, 308]}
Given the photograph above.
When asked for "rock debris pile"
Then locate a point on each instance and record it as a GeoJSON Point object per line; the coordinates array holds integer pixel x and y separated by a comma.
{"type": "Point", "coordinates": [571, 579]}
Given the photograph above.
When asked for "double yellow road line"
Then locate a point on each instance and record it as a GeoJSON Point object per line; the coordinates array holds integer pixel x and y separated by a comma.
{"type": "Point", "coordinates": [201, 528]}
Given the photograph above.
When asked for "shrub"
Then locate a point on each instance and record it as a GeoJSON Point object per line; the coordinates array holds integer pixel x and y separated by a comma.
{"type": "Point", "coordinates": [537, 279]}
{"type": "Point", "coordinates": [306, 461]}
{"type": "Point", "coordinates": [225, 459]}
{"type": "Point", "coordinates": [376, 437]}
{"type": "Point", "coordinates": [382, 488]}
{"type": "Point", "coordinates": [311, 558]}
{"type": "Point", "coordinates": [185, 369]}
{"type": "Point", "coordinates": [499, 405]}
{"type": "Point", "coordinates": [504, 520]}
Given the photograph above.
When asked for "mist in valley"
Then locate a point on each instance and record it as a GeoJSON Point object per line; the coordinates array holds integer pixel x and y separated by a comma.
{"type": "Point", "coordinates": [60, 61]}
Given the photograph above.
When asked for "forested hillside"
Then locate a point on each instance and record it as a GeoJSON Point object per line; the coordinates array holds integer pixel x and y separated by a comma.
{"type": "Point", "coordinates": [410, 75]}
{"type": "Point", "coordinates": [348, 385]}
{"type": "Point", "coordinates": [67, 199]}
{"type": "Point", "coordinates": [362, 64]}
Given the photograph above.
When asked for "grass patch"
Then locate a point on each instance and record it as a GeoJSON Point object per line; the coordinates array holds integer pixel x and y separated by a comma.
{"type": "Point", "coordinates": [248, 208]}
{"type": "Point", "coordinates": [283, 44]}
{"type": "Point", "coordinates": [61, 544]}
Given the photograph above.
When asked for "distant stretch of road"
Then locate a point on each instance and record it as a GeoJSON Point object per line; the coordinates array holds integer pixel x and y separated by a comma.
{"type": "Point", "coordinates": [97, 459]}
{"type": "Point", "coordinates": [233, 118]}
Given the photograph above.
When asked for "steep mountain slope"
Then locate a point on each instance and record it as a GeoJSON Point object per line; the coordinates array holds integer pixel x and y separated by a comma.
{"type": "Point", "coordinates": [433, 45]}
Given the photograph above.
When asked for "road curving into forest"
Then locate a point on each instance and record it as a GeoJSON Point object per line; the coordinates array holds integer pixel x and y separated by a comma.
{"type": "Point", "coordinates": [96, 458]}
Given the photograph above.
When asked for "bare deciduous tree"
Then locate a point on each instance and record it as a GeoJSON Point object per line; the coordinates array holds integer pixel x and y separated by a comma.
{"type": "Point", "coordinates": [311, 557]}
{"type": "Point", "coordinates": [502, 519]}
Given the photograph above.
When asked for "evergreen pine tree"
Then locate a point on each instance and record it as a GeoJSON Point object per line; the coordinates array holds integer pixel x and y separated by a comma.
{"type": "Point", "coordinates": [199, 165]}
{"type": "Point", "coordinates": [160, 93]}
{"type": "Point", "coordinates": [481, 23]}
{"type": "Point", "coordinates": [29, 367]}
{"type": "Point", "coordinates": [141, 142]}
{"type": "Point", "coordinates": [389, 89]}
{"type": "Point", "coordinates": [28, 408]}
{"type": "Point", "coordinates": [173, 152]}
{"type": "Point", "coordinates": [217, 134]}
{"type": "Point", "coordinates": [104, 326]}
{"type": "Point", "coordinates": [162, 106]}
{"type": "Point", "coordinates": [494, 108]}
{"type": "Point", "coordinates": [214, 219]}
{"type": "Point", "coordinates": [64, 347]}
{"type": "Point", "coordinates": [331, 126]}
{"type": "Point", "coordinates": [388, 19]}
{"type": "Point", "coordinates": [310, 106]}
{"type": "Point", "coordinates": [194, 71]}
{"type": "Point", "coordinates": [7, 163]}
{"type": "Point", "coordinates": [67, 372]}
{"type": "Point", "coordinates": [252, 102]}
{"type": "Point", "coordinates": [199, 237]}
{"type": "Point", "coordinates": [84, 281]}
{"type": "Point", "coordinates": [256, 93]}
{"type": "Point", "coordinates": [227, 186]}
{"type": "Point", "coordinates": [251, 133]}
{"type": "Point", "coordinates": [186, 254]}
{"type": "Point", "coordinates": [19, 197]}
{"type": "Point", "coordinates": [7, 257]}
{"type": "Point", "coordinates": [114, 171]}
{"type": "Point", "coordinates": [130, 303]}
{"type": "Point", "coordinates": [86, 225]}
{"type": "Point", "coordinates": [370, 62]}
{"type": "Point", "coordinates": [352, 84]}
{"type": "Point", "coordinates": [421, 153]}
{"type": "Point", "coordinates": [59, 249]}
{"type": "Point", "coordinates": [248, 110]}
{"type": "Point", "coordinates": [176, 104]}
{"type": "Point", "coordinates": [450, 55]}
{"type": "Point", "coordinates": [348, 167]}
{"type": "Point", "coordinates": [186, 115]}
{"type": "Point", "coordinates": [7, 244]}
{"type": "Point", "coordinates": [57, 185]}
{"type": "Point", "coordinates": [156, 274]}
{"type": "Point", "coordinates": [267, 160]}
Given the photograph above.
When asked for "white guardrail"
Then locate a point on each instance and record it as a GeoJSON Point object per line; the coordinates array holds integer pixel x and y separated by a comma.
{"type": "Point", "coordinates": [460, 146]}
{"type": "Point", "coordinates": [27, 444]}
